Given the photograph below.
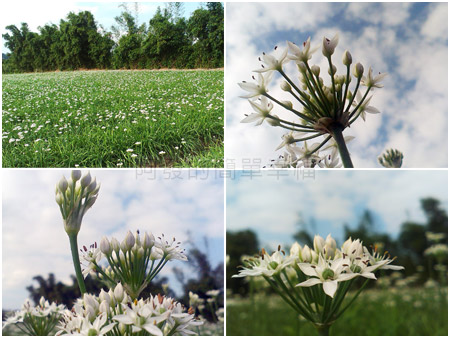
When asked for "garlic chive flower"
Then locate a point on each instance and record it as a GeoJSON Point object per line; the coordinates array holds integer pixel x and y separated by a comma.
{"type": "Point", "coordinates": [391, 158]}
{"type": "Point", "coordinates": [315, 281]}
{"type": "Point", "coordinates": [134, 262]}
{"type": "Point", "coordinates": [320, 106]}
{"type": "Point", "coordinates": [40, 320]}
{"type": "Point", "coordinates": [75, 197]}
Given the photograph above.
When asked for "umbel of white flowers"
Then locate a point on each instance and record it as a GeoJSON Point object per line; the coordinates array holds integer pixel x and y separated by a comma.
{"type": "Point", "coordinates": [134, 262]}
{"type": "Point", "coordinates": [315, 281]}
{"type": "Point", "coordinates": [327, 109]}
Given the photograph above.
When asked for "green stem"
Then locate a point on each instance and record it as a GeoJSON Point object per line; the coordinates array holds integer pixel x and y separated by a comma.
{"type": "Point", "coordinates": [323, 330]}
{"type": "Point", "coordinates": [353, 299]}
{"type": "Point", "coordinates": [76, 263]}
{"type": "Point", "coordinates": [336, 132]}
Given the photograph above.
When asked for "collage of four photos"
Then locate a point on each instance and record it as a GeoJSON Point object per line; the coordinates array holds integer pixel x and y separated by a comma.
{"type": "Point", "coordinates": [224, 168]}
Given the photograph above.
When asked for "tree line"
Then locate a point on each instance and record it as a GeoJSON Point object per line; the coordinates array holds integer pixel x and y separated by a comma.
{"type": "Point", "coordinates": [79, 42]}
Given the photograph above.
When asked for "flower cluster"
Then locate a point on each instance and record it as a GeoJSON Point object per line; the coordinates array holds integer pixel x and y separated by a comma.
{"type": "Point", "coordinates": [314, 281]}
{"type": "Point", "coordinates": [75, 196]}
{"type": "Point", "coordinates": [326, 109]}
{"type": "Point", "coordinates": [115, 313]}
{"type": "Point", "coordinates": [391, 158]}
{"type": "Point", "coordinates": [134, 262]}
{"type": "Point", "coordinates": [36, 321]}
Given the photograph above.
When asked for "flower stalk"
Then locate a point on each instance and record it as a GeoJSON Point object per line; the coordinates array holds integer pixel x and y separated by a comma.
{"type": "Point", "coordinates": [336, 132]}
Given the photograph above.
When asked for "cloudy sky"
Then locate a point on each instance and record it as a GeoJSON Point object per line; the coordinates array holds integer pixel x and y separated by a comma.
{"type": "Point", "coordinates": [169, 202]}
{"type": "Point", "coordinates": [271, 205]}
{"type": "Point", "coordinates": [38, 13]}
{"type": "Point", "coordinates": [407, 40]}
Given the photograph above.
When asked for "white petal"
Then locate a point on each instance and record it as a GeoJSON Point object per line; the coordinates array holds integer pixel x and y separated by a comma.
{"type": "Point", "coordinates": [369, 275]}
{"type": "Point", "coordinates": [310, 282]}
{"type": "Point", "coordinates": [154, 330]}
{"type": "Point", "coordinates": [372, 110]}
{"type": "Point", "coordinates": [251, 118]}
{"type": "Point", "coordinates": [330, 287]}
{"type": "Point", "coordinates": [307, 269]}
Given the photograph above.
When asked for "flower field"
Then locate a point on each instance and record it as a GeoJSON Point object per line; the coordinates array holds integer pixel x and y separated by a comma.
{"type": "Point", "coordinates": [113, 119]}
{"type": "Point", "coordinates": [389, 312]}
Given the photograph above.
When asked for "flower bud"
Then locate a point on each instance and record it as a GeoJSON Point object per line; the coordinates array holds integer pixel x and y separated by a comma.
{"type": "Point", "coordinates": [347, 58]}
{"type": "Point", "coordinates": [287, 104]}
{"type": "Point", "coordinates": [273, 122]}
{"type": "Point", "coordinates": [149, 241]}
{"type": "Point", "coordinates": [104, 307]}
{"type": "Point", "coordinates": [329, 45]}
{"type": "Point", "coordinates": [112, 298]}
{"type": "Point", "coordinates": [59, 199]}
{"type": "Point", "coordinates": [90, 313]}
{"type": "Point", "coordinates": [330, 241]}
{"type": "Point", "coordinates": [115, 245]}
{"type": "Point", "coordinates": [76, 174]}
{"type": "Point", "coordinates": [105, 246]}
{"type": "Point", "coordinates": [306, 254]}
{"type": "Point", "coordinates": [333, 69]}
{"type": "Point", "coordinates": [128, 242]}
{"type": "Point", "coordinates": [301, 67]}
{"type": "Point", "coordinates": [118, 293]}
{"type": "Point", "coordinates": [91, 187]}
{"type": "Point", "coordinates": [315, 70]}
{"type": "Point", "coordinates": [286, 86]}
{"type": "Point", "coordinates": [137, 238]}
{"type": "Point", "coordinates": [86, 180]}
{"type": "Point", "coordinates": [358, 70]}
{"type": "Point", "coordinates": [63, 185]}
{"type": "Point", "coordinates": [295, 250]}
{"type": "Point", "coordinates": [319, 243]}
{"type": "Point", "coordinates": [156, 253]}
{"type": "Point", "coordinates": [123, 328]}
{"type": "Point", "coordinates": [104, 296]}
{"type": "Point", "coordinates": [140, 253]}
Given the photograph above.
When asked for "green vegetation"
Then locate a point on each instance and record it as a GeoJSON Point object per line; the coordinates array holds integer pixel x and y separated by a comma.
{"type": "Point", "coordinates": [113, 119]}
{"type": "Point", "coordinates": [78, 42]}
{"type": "Point", "coordinates": [394, 312]}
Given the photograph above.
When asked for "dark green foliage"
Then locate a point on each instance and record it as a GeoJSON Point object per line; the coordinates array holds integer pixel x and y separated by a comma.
{"type": "Point", "coordinates": [239, 244]}
{"type": "Point", "coordinates": [78, 42]}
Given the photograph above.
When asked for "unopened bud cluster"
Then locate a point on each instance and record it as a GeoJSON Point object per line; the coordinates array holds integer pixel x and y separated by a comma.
{"type": "Point", "coordinates": [75, 196]}
{"type": "Point", "coordinates": [391, 158]}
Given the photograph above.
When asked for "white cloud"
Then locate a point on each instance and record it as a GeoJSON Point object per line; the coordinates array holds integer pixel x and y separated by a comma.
{"type": "Point", "coordinates": [34, 241]}
{"type": "Point", "coordinates": [271, 206]}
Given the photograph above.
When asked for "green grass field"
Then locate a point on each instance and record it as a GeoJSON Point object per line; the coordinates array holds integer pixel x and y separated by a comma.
{"type": "Point", "coordinates": [113, 119]}
{"type": "Point", "coordinates": [396, 312]}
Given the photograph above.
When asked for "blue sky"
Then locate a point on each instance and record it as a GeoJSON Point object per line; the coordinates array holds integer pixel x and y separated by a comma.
{"type": "Point", "coordinates": [172, 202]}
{"type": "Point", "coordinates": [271, 205]}
{"type": "Point", "coordinates": [406, 40]}
{"type": "Point", "coordinates": [39, 13]}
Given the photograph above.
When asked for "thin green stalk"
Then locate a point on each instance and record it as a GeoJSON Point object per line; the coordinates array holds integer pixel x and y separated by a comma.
{"type": "Point", "coordinates": [353, 299]}
{"type": "Point", "coordinates": [354, 94]}
{"type": "Point", "coordinates": [76, 263]}
{"type": "Point", "coordinates": [303, 116]}
{"type": "Point", "coordinates": [289, 123]}
{"type": "Point", "coordinates": [332, 83]}
{"type": "Point", "coordinates": [320, 145]}
{"type": "Point", "coordinates": [347, 83]}
{"type": "Point", "coordinates": [359, 103]}
{"type": "Point", "coordinates": [308, 138]}
{"type": "Point", "coordinates": [336, 132]}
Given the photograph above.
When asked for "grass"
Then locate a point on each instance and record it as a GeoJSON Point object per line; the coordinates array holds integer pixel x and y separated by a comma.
{"type": "Point", "coordinates": [113, 119]}
{"type": "Point", "coordinates": [407, 311]}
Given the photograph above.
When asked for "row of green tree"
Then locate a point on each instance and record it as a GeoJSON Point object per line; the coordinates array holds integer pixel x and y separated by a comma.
{"type": "Point", "coordinates": [410, 246]}
{"type": "Point", "coordinates": [78, 42]}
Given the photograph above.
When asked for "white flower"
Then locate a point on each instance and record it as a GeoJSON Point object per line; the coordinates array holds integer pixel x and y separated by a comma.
{"type": "Point", "coordinates": [329, 45]}
{"type": "Point", "coordinates": [288, 139]}
{"type": "Point", "coordinates": [373, 82]}
{"type": "Point", "coordinates": [266, 265]}
{"type": "Point", "coordinates": [171, 249]}
{"type": "Point", "coordinates": [141, 319]}
{"type": "Point", "coordinates": [364, 107]}
{"type": "Point", "coordinates": [97, 328]}
{"type": "Point", "coordinates": [262, 111]}
{"type": "Point", "coordinates": [272, 62]}
{"type": "Point", "coordinates": [304, 154]}
{"type": "Point", "coordinates": [256, 89]}
{"type": "Point", "coordinates": [129, 150]}
{"type": "Point", "coordinates": [304, 54]}
{"type": "Point", "coordinates": [329, 274]}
